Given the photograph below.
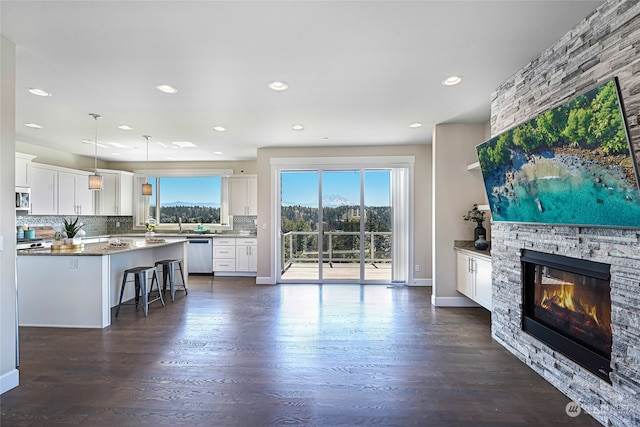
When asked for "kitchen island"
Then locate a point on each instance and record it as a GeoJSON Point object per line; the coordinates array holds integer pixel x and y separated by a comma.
{"type": "Point", "coordinates": [78, 288]}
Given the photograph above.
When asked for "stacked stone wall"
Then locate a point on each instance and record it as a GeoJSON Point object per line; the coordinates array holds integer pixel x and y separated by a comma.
{"type": "Point", "coordinates": [604, 45]}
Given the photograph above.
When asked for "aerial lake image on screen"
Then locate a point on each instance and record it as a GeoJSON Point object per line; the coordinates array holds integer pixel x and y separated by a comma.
{"type": "Point", "coordinates": [570, 165]}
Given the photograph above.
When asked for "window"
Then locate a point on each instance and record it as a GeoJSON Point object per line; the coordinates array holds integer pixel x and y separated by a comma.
{"type": "Point", "coordinates": [197, 198]}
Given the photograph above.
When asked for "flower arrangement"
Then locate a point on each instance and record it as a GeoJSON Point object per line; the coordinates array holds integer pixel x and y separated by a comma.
{"type": "Point", "coordinates": [150, 227]}
{"type": "Point", "coordinates": [71, 228]}
{"type": "Point", "coordinates": [475, 215]}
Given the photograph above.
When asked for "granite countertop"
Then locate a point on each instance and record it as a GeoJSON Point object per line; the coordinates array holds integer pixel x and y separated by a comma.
{"type": "Point", "coordinates": [184, 235]}
{"type": "Point", "coordinates": [467, 246]}
{"type": "Point", "coordinates": [99, 249]}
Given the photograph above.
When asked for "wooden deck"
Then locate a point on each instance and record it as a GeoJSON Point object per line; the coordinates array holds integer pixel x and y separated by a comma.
{"type": "Point", "coordinates": [338, 271]}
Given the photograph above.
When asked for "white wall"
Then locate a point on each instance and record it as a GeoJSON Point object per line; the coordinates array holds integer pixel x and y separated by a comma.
{"type": "Point", "coordinates": [455, 190]}
{"type": "Point", "coordinates": [239, 167]}
{"type": "Point", "coordinates": [421, 196]}
{"type": "Point", "coordinates": [8, 321]}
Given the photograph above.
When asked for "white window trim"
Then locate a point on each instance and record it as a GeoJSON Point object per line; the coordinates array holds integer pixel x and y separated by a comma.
{"type": "Point", "coordinates": [139, 216]}
{"type": "Point", "coordinates": [402, 259]}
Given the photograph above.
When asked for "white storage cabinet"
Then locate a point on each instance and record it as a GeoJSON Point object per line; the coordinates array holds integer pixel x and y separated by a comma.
{"type": "Point", "coordinates": [116, 197]}
{"type": "Point", "coordinates": [247, 254]}
{"type": "Point", "coordinates": [474, 277]}
{"type": "Point", "coordinates": [243, 195]}
{"type": "Point", "coordinates": [224, 254]}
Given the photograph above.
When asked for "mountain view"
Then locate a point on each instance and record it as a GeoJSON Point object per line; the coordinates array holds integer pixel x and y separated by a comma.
{"type": "Point", "coordinates": [179, 203]}
{"type": "Point", "coordinates": [329, 200]}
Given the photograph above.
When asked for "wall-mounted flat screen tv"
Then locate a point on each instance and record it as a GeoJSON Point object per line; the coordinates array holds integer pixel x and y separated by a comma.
{"type": "Point", "coordinates": [572, 165]}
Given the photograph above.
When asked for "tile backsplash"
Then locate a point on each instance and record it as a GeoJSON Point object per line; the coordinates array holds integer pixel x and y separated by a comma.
{"type": "Point", "coordinates": [103, 225]}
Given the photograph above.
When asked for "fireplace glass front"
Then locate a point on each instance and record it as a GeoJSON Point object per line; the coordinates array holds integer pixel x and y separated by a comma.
{"type": "Point", "coordinates": [567, 305]}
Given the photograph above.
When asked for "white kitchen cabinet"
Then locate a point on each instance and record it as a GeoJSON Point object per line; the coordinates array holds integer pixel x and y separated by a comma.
{"type": "Point", "coordinates": [44, 190]}
{"type": "Point", "coordinates": [235, 256]}
{"type": "Point", "coordinates": [116, 197]}
{"type": "Point", "coordinates": [243, 195]}
{"type": "Point", "coordinates": [473, 278]}
{"type": "Point", "coordinates": [60, 191]}
{"type": "Point", "coordinates": [74, 196]}
{"type": "Point", "coordinates": [23, 169]}
{"type": "Point", "coordinates": [224, 254]}
{"type": "Point", "coordinates": [247, 254]}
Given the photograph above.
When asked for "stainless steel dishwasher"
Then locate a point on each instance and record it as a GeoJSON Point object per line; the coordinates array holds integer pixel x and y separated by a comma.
{"type": "Point", "coordinates": [200, 253]}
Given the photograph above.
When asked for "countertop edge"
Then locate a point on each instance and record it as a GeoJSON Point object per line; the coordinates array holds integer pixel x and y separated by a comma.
{"type": "Point", "coordinates": [95, 249]}
{"type": "Point", "coordinates": [467, 247]}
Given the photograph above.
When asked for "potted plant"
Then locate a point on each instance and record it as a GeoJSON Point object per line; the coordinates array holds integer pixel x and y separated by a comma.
{"type": "Point", "coordinates": [71, 229]}
{"type": "Point", "coordinates": [150, 234]}
{"type": "Point", "coordinates": [478, 216]}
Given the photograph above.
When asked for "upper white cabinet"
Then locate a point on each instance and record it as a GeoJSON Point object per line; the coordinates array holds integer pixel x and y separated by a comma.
{"type": "Point", "coordinates": [243, 195]}
{"type": "Point", "coordinates": [60, 191]}
{"type": "Point", "coordinates": [23, 169]}
{"type": "Point", "coordinates": [116, 197]}
{"type": "Point", "coordinates": [74, 196]}
{"type": "Point", "coordinates": [44, 190]}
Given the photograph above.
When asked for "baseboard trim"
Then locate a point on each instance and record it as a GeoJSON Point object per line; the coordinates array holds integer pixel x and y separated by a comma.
{"type": "Point", "coordinates": [452, 302]}
{"type": "Point", "coordinates": [421, 282]}
{"type": "Point", "coordinates": [9, 380]}
{"type": "Point", "coordinates": [265, 281]}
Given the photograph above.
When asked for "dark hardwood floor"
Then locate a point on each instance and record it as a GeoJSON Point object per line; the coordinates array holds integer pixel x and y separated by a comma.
{"type": "Point", "coordinates": [233, 353]}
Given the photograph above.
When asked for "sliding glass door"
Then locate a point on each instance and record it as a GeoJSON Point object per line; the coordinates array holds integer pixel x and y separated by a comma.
{"type": "Point", "coordinates": [299, 225]}
{"type": "Point", "coordinates": [336, 226]}
{"type": "Point", "coordinates": [341, 225]}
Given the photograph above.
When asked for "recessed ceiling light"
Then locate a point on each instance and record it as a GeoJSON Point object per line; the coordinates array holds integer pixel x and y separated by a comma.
{"type": "Point", "coordinates": [88, 141]}
{"type": "Point", "coordinates": [415, 125]}
{"type": "Point", "coordinates": [451, 81]}
{"type": "Point", "coordinates": [115, 154]}
{"type": "Point", "coordinates": [166, 88]}
{"type": "Point", "coordinates": [33, 125]}
{"type": "Point", "coordinates": [39, 92]}
{"type": "Point", "coordinates": [326, 138]}
{"type": "Point", "coordinates": [219, 128]}
{"type": "Point", "coordinates": [117, 145]}
{"type": "Point", "coordinates": [169, 158]}
{"type": "Point", "coordinates": [218, 152]}
{"type": "Point", "coordinates": [278, 86]}
{"type": "Point", "coordinates": [125, 127]}
{"type": "Point", "coordinates": [297, 127]}
{"type": "Point", "coordinates": [162, 144]}
{"type": "Point", "coordinates": [184, 144]}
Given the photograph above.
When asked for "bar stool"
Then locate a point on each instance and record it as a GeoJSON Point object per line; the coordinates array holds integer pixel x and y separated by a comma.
{"type": "Point", "coordinates": [141, 278]}
{"type": "Point", "coordinates": [168, 271]}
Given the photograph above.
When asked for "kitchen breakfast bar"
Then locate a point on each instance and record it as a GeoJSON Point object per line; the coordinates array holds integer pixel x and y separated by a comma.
{"type": "Point", "coordinates": [78, 288]}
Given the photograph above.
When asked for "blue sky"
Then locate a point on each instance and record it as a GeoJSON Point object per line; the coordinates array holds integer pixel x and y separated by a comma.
{"type": "Point", "coordinates": [189, 189]}
{"type": "Point", "coordinates": [301, 187]}
{"type": "Point", "coordinates": [297, 187]}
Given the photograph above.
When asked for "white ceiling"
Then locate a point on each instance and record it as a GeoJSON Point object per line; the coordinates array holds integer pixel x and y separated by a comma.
{"type": "Point", "coordinates": [359, 72]}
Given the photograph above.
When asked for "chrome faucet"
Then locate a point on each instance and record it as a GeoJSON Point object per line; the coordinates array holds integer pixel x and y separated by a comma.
{"type": "Point", "coordinates": [179, 224]}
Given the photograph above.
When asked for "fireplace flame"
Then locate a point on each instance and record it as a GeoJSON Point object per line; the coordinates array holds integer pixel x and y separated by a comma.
{"type": "Point", "coordinates": [563, 296]}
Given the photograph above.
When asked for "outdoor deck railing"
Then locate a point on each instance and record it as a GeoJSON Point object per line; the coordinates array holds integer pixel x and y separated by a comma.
{"type": "Point", "coordinates": [377, 247]}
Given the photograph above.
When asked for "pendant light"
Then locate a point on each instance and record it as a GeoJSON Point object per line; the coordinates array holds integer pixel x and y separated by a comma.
{"type": "Point", "coordinates": [95, 180]}
{"type": "Point", "coordinates": [147, 190]}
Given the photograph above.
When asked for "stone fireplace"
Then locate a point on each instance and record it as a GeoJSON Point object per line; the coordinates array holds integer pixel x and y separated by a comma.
{"type": "Point", "coordinates": [612, 398]}
{"type": "Point", "coordinates": [567, 305]}
{"type": "Point", "coordinates": [603, 45]}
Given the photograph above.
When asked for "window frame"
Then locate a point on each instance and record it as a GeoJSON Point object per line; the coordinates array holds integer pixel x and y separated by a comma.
{"type": "Point", "coordinates": [141, 203]}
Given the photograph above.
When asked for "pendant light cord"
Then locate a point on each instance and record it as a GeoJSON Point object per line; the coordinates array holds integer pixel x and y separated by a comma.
{"type": "Point", "coordinates": [95, 143]}
{"type": "Point", "coordinates": [147, 138]}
